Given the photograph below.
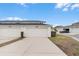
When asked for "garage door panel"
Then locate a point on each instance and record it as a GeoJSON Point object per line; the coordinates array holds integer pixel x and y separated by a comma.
{"type": "Point", "coordinates": [36, 33]}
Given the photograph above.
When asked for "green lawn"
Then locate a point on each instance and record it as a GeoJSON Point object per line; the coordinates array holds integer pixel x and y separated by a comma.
{"type": "Point", "coordinates": [67, 44]}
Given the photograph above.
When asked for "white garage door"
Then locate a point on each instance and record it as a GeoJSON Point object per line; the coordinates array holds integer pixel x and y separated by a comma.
{"type": "Point", "coordinates": [36, 33]}
{"type": "Point", "coordinates": [29, 31]}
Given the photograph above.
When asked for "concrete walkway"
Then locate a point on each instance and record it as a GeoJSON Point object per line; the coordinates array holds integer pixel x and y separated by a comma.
{"type": "Point", "coordinates": [31, 47]}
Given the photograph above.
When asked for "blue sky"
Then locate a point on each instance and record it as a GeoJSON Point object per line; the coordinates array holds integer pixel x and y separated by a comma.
{"type": "Point", "coordinates": [53, 13]}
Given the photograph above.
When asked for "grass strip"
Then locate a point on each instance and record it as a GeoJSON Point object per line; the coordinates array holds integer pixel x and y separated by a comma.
{"type": "Point", "coordinates": [66, 44]}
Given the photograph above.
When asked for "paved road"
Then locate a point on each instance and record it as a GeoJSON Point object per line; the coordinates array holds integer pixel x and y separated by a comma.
{"type": "Point", "coordinates": [31, 47]}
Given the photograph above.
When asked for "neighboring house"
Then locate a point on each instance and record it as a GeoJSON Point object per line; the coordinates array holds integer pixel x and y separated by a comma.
{"type": "Point", "coordinates": [73, 28]}
{"type": "Point", "coordinates": [59, 28]}
{"type": "Point", "coordinates": [31, 28]}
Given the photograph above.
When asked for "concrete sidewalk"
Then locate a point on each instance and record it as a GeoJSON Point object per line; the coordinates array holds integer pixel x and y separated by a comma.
{"type": "Point", "coordinates": [31, 47]}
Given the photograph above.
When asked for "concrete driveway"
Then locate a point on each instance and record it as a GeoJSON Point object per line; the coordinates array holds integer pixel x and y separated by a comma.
{"type": "Point", "coordinates": [31, 47]}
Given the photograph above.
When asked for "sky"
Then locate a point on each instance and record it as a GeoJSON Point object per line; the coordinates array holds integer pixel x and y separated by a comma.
{"type": "Point", "coordinates": [52, 13]}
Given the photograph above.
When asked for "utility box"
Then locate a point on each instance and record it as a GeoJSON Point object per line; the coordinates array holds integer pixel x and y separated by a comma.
{"type": "Point", "coordinates": [22, 34]}
{"type": "Point", "coordinates": [53, 34]}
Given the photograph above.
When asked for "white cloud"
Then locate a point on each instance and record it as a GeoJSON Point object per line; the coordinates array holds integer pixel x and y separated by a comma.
{"type": "Point", "coordinates": [63, 6]}
{"type": "Point", "coordinates": [75, 6]}
{"type": "Point", "coordinates": [67, 6]}
{"type": "Point", "coordinates": [13, 18]}
{"type": "Point", "coordinates": [22, 4]}
{"type": "Point", "coordinates": [65, 9]}
{"type": "Point", "coordinates": [60, 5]}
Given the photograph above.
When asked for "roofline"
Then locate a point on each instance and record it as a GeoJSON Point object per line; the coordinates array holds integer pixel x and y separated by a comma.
{"type": "Point", "coordinates": [23, 24]}
{"type": "Point", "coordinates": [28, 24]}
{"type": "Point", "coordinates": [22, 21]}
